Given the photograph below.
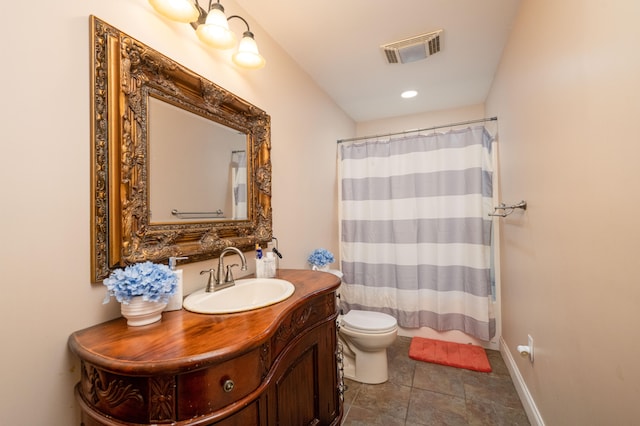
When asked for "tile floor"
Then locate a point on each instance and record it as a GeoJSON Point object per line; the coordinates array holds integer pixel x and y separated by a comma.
{"type": "Point", "coordinates": [420, 393]}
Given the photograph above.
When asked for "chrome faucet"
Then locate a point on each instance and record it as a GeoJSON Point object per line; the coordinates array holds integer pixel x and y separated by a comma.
{"type": "Point", "coordinates": [216, 281]}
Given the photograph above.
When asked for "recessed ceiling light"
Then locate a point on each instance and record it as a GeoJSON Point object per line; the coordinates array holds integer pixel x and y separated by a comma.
{"type": "Point", "coordinates": [409, 94]}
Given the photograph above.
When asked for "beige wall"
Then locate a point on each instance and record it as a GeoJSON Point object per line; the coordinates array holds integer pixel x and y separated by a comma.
{"type": "Point", "coordinates": [44, 170]}
{"type": "Point", "coordinates": [420, 121]}
{"type": "Point", "coordinates": [567, 94]}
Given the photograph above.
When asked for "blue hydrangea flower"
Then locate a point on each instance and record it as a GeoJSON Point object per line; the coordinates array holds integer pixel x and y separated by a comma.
{"type": "Point", "coordinates": [154, 282]}
{"type": "Point", "coordinates": [320, 257]}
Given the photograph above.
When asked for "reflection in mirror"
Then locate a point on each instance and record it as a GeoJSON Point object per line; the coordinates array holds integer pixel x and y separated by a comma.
{"type": "Point", "coordinates": [197, 167]}
{"type": "Point", "coordinates": [140, 171]}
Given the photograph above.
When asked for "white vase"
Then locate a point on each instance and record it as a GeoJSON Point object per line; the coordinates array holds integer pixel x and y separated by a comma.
{"type": "Point", "coordinates": [141, 312]}
{"type": "Point", "coordinates": [324, 268]}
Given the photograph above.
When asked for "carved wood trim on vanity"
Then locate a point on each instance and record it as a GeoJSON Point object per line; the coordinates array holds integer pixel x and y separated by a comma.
{"type": "Point", "coordinates": [113, 393]}
{"type": "Point", "coordinates": [176, 371]}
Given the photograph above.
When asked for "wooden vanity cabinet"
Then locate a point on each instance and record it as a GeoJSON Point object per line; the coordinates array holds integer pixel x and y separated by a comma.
{"type": "Point", "coordinates": [272, 366]}
{"type": "Point", "coordinates": [304, 389]}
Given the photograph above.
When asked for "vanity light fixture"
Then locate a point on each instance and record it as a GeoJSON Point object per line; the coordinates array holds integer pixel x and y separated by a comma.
{"type": "Point", "coordinates": [212, 28]}
{"type": "Point", "coordinates": [215, 31]}
{"type": "Point", "coordinates": [176, 10]}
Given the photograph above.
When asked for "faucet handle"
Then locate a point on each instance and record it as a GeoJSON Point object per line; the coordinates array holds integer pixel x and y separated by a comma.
{"type": "Point", "coordinates": [211, 283]}
{"type": "Point", "coordinates": [229, 276]}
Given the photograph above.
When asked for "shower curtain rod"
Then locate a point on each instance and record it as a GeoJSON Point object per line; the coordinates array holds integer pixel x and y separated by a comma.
{"type": "Point", "coordinates": [481, 120]}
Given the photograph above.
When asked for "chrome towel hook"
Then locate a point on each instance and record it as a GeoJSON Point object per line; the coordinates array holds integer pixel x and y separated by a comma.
{"type": "Point", "coordinates": [507, 210]}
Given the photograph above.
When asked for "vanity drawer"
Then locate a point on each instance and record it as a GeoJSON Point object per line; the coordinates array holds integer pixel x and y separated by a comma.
{"type": "Point", "coordinates": [204, 391]}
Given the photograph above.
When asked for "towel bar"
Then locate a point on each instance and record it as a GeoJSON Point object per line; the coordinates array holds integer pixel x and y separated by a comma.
{"type": "Point", "coordinates": [200, 215]}
{"type": "Point", "coordinates": [507, 210]}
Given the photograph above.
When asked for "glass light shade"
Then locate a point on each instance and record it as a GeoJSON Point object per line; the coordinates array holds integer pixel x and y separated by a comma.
{"type": "Point", "coordinates": [215, 31]}
{"type": "Point", "coordinates": [176, 10]}
{"type": "Point", "coordinates": [247, 55]}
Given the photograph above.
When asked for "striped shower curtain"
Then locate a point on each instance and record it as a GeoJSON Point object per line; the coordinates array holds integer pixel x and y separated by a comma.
{"type": "Point", "coordinates": [239, 184]}
{"type": "Point", "coordinates": [415, 235]}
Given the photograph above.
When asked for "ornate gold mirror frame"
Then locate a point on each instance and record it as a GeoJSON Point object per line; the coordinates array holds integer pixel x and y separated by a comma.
{"type": "Point", "coordinates": [125, 72]}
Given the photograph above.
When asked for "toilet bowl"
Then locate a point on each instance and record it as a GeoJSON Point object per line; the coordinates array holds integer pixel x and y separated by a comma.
{"type": "Point", "coordinates": [365, 337]}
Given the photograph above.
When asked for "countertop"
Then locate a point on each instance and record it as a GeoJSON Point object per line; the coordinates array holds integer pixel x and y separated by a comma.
{"type": "Point", "coordinates": [183, 341]}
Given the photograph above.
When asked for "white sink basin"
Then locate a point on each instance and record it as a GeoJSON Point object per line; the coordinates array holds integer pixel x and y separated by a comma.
{"type": "Point", "coordinates": [247, 294]}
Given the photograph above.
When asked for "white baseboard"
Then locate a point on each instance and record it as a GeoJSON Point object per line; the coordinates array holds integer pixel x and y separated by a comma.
{"type": "Point", "coordinates": [523, 392]}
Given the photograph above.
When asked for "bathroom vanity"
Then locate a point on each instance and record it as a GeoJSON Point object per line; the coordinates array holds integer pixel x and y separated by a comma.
{"type": "Point", "coordinates": [275, 365]}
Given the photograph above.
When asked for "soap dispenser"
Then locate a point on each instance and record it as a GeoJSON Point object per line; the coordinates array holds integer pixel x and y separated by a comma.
{"type": "Point", "coordinates": [260, 271]}
{"type": "Point", "coordinates": [175, 301]}
{"type": "Point", "coordinates": [270, 265]}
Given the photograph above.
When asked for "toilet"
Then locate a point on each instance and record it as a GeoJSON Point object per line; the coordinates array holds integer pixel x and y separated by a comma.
{"type": "Point", "coordinates": [365, 337]}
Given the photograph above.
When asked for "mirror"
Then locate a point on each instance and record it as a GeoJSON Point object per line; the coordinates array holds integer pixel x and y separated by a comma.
{"type": "Point", "coordinates": [200, 154]}
{"type": "Point", "coordinates": [180, 166]}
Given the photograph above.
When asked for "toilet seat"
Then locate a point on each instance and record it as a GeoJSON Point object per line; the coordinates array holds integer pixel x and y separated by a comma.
{"type": "Point", "coordinates": [369, 322]}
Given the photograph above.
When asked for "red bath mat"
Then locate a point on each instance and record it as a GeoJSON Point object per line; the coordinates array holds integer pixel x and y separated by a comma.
{"type": "Point", "coordinates": [470, 357]}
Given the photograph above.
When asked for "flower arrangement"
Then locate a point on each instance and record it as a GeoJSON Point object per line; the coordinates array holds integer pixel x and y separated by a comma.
{"type": "Point", "coordinates": [154, 282]}
{"type": "Point", "coordinates": [320, 257]}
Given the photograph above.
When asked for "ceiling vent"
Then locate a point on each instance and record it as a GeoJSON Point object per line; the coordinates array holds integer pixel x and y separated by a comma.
{"type": "Point", "coordinates": [412, 49]}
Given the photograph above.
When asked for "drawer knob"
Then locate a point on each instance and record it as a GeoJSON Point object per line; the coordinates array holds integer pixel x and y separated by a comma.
{"type": "Point", "coordinates": [228, 385]}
